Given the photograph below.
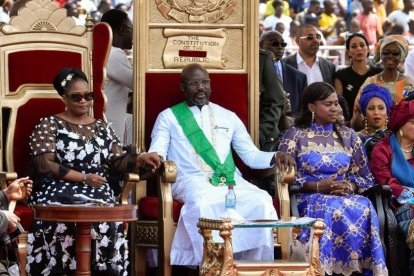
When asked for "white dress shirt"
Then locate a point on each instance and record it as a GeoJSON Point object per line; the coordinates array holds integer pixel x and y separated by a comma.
{"type": "Point", "coordinates": [313, 73]}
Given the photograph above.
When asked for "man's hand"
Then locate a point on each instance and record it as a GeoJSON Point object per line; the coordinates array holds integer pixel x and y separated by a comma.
{"type": "Point", "coordinates": [151, 159]}
{"type": "Point", "coordinates": [19, 189]}
{"type": "Point", "coordinates": [12, 221]}
{"type": "Point", "coordinates": [284, 162]}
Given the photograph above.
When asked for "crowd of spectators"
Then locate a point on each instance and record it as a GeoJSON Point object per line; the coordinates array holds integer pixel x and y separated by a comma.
{"type": "Point", "coordinates": [376, 19]}
{"type": "Point", "coordinates": [78, 9]}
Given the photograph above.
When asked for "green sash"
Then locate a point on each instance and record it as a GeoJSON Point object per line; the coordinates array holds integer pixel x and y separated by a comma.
{"type": "Point", "coordinates": [223, 173]}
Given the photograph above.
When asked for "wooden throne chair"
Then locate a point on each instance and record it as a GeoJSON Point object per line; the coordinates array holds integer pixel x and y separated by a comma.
{"type": "Point", "coordinates": [158, 212]}
{"type": "Point", "coordinates": [37, 43]}
{"type": "Point", "coordinates": [234, 86]}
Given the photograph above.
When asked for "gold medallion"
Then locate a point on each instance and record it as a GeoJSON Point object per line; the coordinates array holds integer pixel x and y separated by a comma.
{"type": "Point", "coordinates": [196, 11]}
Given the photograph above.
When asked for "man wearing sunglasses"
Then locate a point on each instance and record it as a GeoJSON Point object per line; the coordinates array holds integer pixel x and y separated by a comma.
{"type": "Point", "coordinates": [119, 71]}
{"type": "Point", "coordinates": [306, 60]}
{"type": "Point", "coordinates": [294, 81]}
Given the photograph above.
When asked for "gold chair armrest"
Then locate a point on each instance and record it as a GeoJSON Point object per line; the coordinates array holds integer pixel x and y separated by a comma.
{"type": "Point", "coordinates": [282, 180]}
{"type": "Point", "coordinates": [130, 180]}
{"type": "Point", "coordinates": [166, 227]}
{"type": "Point", "coordinates": [5, 179]}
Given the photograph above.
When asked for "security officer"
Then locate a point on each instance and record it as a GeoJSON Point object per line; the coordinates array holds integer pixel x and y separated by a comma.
{"type": "Point", "coordinates": [271, 103]}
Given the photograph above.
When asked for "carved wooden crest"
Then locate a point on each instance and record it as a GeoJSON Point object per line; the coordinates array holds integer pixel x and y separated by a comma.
{"type": "Point", "coordinates": [42, 16]}
{"type": "Point", "coordinates": [196, 11]}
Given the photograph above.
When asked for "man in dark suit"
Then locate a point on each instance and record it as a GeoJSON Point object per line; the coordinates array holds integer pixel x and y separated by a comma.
{"type": "Point", "coordinates": [294, 81]}
{"type": "Point", "coordinates": [271, 102]}
{"type": "Point", "coordinates": [315, 68]}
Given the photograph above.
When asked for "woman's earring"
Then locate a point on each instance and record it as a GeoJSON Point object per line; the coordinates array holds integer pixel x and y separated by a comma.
{"type": "Point", "coordinates": [366, 125]}
{"type": "Point", "coordinates": [313, 117]}
{"type": "Point", "coordinates": [401, 133]}
{"type": "Point", "coordinates": [386, 122]}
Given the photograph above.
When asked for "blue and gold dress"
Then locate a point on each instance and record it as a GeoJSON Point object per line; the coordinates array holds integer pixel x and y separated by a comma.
{"type": "Point", "coordinates": [351, 241]}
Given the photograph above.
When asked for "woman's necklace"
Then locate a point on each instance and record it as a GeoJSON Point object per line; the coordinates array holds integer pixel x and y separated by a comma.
{"type": "Point", "coordinates": [382, 80]}
{"type": "Point", "coordinates": [406, 150]}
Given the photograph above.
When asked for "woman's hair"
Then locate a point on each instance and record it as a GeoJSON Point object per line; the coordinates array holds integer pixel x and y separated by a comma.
{"type": "Point", "coordinates": [64, 78]}
{"type": "Point", "coordinates": [317, 91]}
{"type": "Point", "coordinates": [351, 36]}
{"type": "Point", "coordinates": [344, 106]}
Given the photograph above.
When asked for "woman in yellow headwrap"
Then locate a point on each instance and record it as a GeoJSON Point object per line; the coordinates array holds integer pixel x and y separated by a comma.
{"type": "Point", "coordinates": [391, 50]}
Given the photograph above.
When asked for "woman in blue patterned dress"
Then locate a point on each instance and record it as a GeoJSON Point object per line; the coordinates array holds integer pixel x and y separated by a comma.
{"type": "Point", "coordinates": [73, 153]}
{"type": "Point", "coordinates": [332, 170]}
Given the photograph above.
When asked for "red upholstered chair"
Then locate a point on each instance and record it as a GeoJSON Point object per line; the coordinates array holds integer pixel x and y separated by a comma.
{"type": "Point", "coordinates": [38, 42]}
{"type": "Point", "coordinates": [158, 213]}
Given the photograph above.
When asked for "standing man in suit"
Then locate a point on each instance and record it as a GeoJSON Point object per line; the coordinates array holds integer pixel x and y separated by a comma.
{"type": "Point", "coordinates": [294, 81]}
{"type": "Point", "coordinates": [315, 68]}
{"type": "Point", "coordinates": [271, 102]}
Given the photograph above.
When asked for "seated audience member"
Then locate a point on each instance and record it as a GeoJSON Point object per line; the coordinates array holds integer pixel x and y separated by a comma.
{"type": "Point", "coordinates": [198, 135]}
{"type": "Point", "coordinates": [309, 15]}
{"type": "Point", "coordinates": [348, 80]}
{"type": "Point", "coordinates": [280, 27]}
{"type": "Point", "coordinates": [278, 16]}
{"type": "Point", "coordinates": [291, 39]}
{"type": "Point", "coordinates": [73, 153]}
{"type": "Point", "coordinates": [375, 103]}
{"type": "Point", "coordinates": [399, 17]}
{"type": "Point", "coordinates": [370, 24]}
{"type": "Point", "coordinates": [392, 163]}
{"type": "Point", "coordinates": [332, 171]}
{"type": "Point", "coordinates": [18, 190]}
{"type": "Point", "coordinates": [294, 81]}
{"type": "Point", "coordinates": [391, 51]}
{"type": "Point", "coordinates": [328, 18]}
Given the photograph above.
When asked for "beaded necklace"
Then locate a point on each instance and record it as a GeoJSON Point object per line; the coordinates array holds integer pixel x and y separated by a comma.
{"type": "Point", "coordinates": [389, 84]}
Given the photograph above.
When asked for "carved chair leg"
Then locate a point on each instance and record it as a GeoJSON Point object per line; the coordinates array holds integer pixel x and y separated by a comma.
{"type": "Point", "coordinates": [315, 265]}
{"type": "Point", "coordinates": [22, 251]}
{"type": "Point", "coordinates": [140, 261]}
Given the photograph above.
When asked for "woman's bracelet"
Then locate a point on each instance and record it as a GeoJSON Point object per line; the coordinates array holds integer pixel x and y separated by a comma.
{"type": "Point", "coordinates": [84, 178]}
{"type": "Point", "coordinates": [317, 186]}
{"type": "Point", "coordinates": [350, 188]}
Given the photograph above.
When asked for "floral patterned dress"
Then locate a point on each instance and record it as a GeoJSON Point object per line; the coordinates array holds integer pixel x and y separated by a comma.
{"type": "Point", "coordinates": [351, 241]}
{"type": "Point", "coordinates": [58, 146]}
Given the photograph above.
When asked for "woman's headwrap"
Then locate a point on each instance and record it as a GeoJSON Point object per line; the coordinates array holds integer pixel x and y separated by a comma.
{"type": "Point", "coordinates": [371, 91]}
{"type": "Point", "coordinates": [65, 76]}
{"type": "Point", "coordinates": [398, 39]}
{"type": "Point", "coordinates": [400, 114]}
